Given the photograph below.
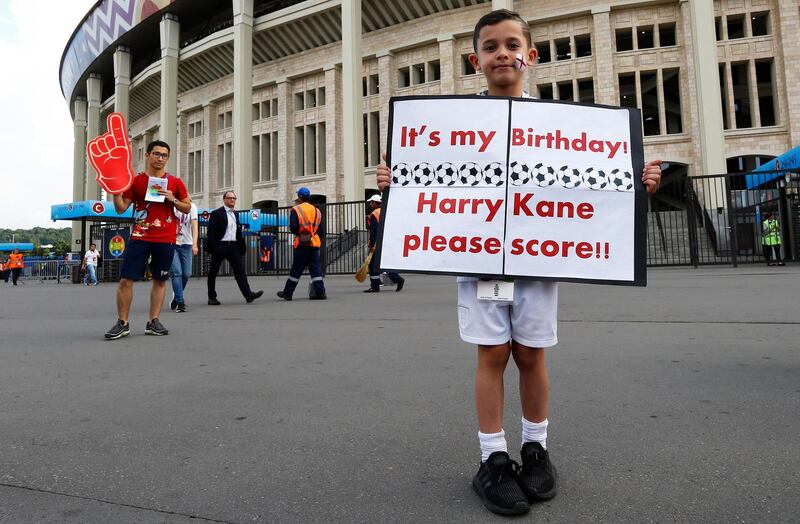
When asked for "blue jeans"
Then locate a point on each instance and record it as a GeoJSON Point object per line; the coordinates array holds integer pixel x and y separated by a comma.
{"type": "Point", "coordinates": [181, 270]}
{"type": "Point", "coordinates": [91, 274]}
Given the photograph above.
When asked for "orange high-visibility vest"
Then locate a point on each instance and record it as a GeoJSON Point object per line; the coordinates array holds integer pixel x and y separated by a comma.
{"type": "Point", "coordinates": [265, 254]}
{"type": "Point", "coordinates": [375, 215]}
{"type": "Point", "coordinates": [309, 219]}
{"type": "Point", "coordinates": [15, 261]}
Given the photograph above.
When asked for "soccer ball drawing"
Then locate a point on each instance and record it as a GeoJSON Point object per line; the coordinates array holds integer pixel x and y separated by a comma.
{"type": "Point", "coordinates": [568, 177]}
{"type": "Point", "coordinates": [470, 174]}
{"type": "Point", "coordinates": [493, 174]}
{"type": "Point", "coordinates": [423, 174]}
{"type": "Point", "coordinates": [620, 180]}
{"type": "Point", "coordinates": [594, 179]}
{"type": "Point", "coordinates": [544, 176]}
{"type": "Point", "coordinates": [446, 174]}
{"type": "Point", "coordinates": [401, 174]}
{"type": "Point", "coordinates": [519, 174]}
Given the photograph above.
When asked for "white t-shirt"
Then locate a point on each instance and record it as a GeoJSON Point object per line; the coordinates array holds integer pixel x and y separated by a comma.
{"type": "Point", "coordinates": [91, 257]}
{"type": "Point", "coordinates": [185, 226]}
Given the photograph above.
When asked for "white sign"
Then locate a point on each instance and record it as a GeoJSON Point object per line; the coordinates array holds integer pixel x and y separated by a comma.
{"type": "Point", "coordinates": [511, 187]}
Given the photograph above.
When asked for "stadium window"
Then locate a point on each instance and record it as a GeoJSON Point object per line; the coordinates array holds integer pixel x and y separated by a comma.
{"type": "Point", "coordinates": [321, 96]}
{"type": "Point", "coordinates": [373, 87]}
{"type": "Point", "coordinates": [723, 89]}
{"type": "Point", "coordinates": [265, 156]}
{"type": "Point", "coordinates": [299, 152]}
{"type": "Point", "coordinates": [403, 77]}
{"type": "Point", "coordinates": [586, 90]}
{"type": "Point", "coordinates": [256, 111]}
{"type": "Point", "coordinates": [563, 49]}
{"type": "Point", "coordinates": [565, 91]}
{"type": "Point", "coordinates": [543, 51]}
{"type": "Point", "coordinates": [759, 23]}
{"type": "Point", "coordinates": [466, 66]}
{"type": "Point", "coordinates": [311, 98]}
{"type": "Point", "coordinates": [434, 71]}
{"type": "Point", "coordinates": [220, 121]}
{"type": "Point", "coordinates": [266, 110]}
{"type": "Point", "coordinates": [741, 94]}
{"type": "Point", "coordinates": [321, 148]}
{"type": "Point", "coordinates": [311, 149]}
{"type": "Point", "coordinates": [274, 155]}
{"type": "Point", "coordinates": [624, 39]}
{"type": "Point", "coordinates": [298, 101]}
{"type": "Point", "coordinates": [365, 135]}
{"type": "Point", "coordinates": [364, 86]}
{"type": "Point", "coordinates": [672, 100]}
{"type": "Point", "coordinates": [374, 138]}
{"type": "Point", "coordinates": [644, 37]}
{"type": "Point", "coordinates": [649, 87]}
{"type": "Point", "coordinates": [195, 175]}
{"type": "Point", "coordinates": [418, 74]}
{"type": "Point", "coordinates": [666, 34]}
{"type": "Point", "coordinates": [735, 26]}
{"type": "Point", "coordinates": [274, 105]}
{"type": "Point", "coordinates": [198, 128]}
{"type": "Point", "coordinates": [766, 104]}
{"type": "Point", "coordinates": [627, 90]}
{"type": "Point", "coordinates": [583, 46]}
{"type": "Point", "coordinates": [545, 91]}
{"type": "Point", "coordinates": [228, 119]}
{"type": "Point", "coordinates": [255, 155]}
{"type": "Point", "coordinates": [224, 166]}
{"type": "Point", "coordinates": [718, 28]}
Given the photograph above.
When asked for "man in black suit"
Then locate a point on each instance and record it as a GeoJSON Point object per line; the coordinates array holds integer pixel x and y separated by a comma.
{"type": "Point", "coordinates": [225, 242]}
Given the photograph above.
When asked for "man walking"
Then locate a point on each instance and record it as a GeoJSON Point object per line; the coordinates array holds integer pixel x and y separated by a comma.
{"type": "Point", "coordinates": [153, 236]}
{"type": "Point", "coordinates": [771, 238]}
{"type": "Point", "coordinates": [90, 265]}
{"type": "Point", "coordinates": [373, 221]}
{"type": "Point", "coordinates": [16, 262]}
{"type": "Point", "coordinates": [304, 223]}
{"type": "Point", "coordinates": [225, 242]}
{"type": "Point", "coordinates": [185, 249]}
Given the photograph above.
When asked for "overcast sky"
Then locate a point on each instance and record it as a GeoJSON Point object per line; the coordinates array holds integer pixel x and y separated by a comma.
{"type": "Point", "coordinates": [35, 123]}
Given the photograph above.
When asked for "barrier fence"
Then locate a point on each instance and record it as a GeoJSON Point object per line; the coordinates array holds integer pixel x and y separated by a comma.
{"type": "Point", "coordinates": [691, 221]}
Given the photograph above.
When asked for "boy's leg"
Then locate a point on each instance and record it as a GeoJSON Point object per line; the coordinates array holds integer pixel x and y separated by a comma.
{"type": "Point", "coordinates": [176, 272]}
{"type": "Point", "coordinates": [489, 392]}
{"type": "Point", "coordinates": [533, 381]}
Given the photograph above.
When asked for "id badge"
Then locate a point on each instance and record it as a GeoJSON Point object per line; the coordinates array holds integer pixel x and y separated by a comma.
{"type": "Point", "coordinates": [499, 290]}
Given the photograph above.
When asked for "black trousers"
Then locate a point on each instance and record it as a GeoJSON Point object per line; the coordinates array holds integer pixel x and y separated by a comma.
{"type": "Point", "coordinates": [375, 275]}
{"type": "Point", "coordinates": [769, 250]}
{"type": "Point", "coordinates": [15, 275]}
{"type": "Point", "coordinates": [227, 251]}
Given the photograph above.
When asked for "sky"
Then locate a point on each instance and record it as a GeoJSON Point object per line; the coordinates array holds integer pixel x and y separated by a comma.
{"type": "Point", "coordinates": [35, 124]}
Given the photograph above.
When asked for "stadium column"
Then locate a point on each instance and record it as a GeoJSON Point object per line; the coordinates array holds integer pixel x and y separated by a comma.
{"type": "Point", "coordinates": [242, 102]}
{"type": "Point", "coordinates": [386, 78]}
{"type": "Point", "coordinates": [122, 80]}
{"type": "Point", "coordinates": [789, 22]}
{"type": "Point", "coordinates": [94, 90]}
{"type": "Point", "coordinates": [332, 136]}
{"type": "Point", "coordinates": [209, 149]}
{"type": "Point", "coordinates": [170, 48]}
{"type": "Point", "coordinates": [352, 114]}
{"type": "Point", "coordinates": [447, 76]}
{"type": "Point", "coordinates": [603, 57]}
{"type": "Point", "coordinates": [78, 162]}
{"type": "Point", "coordinates": [285, 139]}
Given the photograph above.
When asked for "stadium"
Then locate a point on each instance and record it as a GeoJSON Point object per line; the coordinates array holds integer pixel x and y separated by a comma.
{"type": "Point", "coordinates": [263, 96]}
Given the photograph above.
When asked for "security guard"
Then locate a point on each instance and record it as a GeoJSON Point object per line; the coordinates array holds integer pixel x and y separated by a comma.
{"type": "Point", "coordinates": [373, 221]}
{"type": "Point", "coordinates": [304, 222]}
{"type": "Point", "coordinates": [771, 238]}
{"type": "Point", "coordinates": [15, 264]}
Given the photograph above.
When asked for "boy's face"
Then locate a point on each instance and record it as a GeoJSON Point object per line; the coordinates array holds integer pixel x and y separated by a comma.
{"type": "Point", "coordinates": [498, 46]}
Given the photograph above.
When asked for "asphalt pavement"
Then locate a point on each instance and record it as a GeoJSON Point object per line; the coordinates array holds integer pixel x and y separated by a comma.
{"type": "Point", "coordinates": [678, 402]}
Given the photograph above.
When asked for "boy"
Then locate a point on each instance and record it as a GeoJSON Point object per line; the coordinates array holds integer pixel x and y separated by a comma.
{"type": "Point", "coordinates": [521, 328]}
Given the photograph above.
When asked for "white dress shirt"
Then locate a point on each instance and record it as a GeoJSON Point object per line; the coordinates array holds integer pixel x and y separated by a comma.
{"type": "Point", "coordinates": [230, 232]}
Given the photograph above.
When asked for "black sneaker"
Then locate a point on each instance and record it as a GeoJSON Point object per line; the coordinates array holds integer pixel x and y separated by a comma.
{"type": "Point", "coordinates": [181, 308]}
{"type": "Point", "coordinates": [498, 485]}
{"type": "Point", "coordinates": [538, 473]}
{"type": "Point", "coordinates": [372, 290]}
{"type": "Point", "coordinates": [173, 304]}
{"type": "Point", "coordinates": [154, 327]}
{"type": "Point", "coordinates": [253, 296]}
{"type": "Point", "coordinates": [400, 284]}
{"type": "Point", "coordinates": [319, 297]}
{"type": "Point", "coordinates": [214, 302]}
{"type": "Point", "coordinates": [284, 296]}
{"type": "Point", "coordinates": [120, 329]}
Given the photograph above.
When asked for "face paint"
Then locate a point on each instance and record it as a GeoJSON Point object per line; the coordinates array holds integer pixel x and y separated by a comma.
{"type": "Point", "coordinates": [520, 63]}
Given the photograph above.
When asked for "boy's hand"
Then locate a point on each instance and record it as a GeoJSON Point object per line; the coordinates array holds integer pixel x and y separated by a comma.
{"type": "Point", "coordinates": [382, 174]}
{"type": "Point", "coordinates": [651, 177]}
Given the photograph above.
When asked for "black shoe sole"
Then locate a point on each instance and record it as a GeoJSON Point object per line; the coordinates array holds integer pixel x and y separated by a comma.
{"type": "Point", "coordinates": [118, 335]}
{"type": "Point", "coordinates": [520, 508]}
{"type": "Point", "coordinates": [156, 333]}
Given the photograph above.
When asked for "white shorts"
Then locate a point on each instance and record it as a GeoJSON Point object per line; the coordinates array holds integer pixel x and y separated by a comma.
{"type": "Point", "coordinates": [530, 319]}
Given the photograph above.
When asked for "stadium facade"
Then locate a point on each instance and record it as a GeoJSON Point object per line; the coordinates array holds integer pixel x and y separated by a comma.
{"type": "Point", "coordinates": [263, 96]}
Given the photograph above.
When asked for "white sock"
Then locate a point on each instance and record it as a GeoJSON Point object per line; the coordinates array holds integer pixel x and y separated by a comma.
{"type": "Point", "coordinates": [534, 432]}
{"type": "Point", "coordinates": [491, 442]}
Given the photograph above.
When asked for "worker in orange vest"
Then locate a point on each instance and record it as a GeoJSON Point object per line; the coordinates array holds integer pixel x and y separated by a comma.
{"type": "Point", "coordinates": [15, 264]}
{"type": "Point", "coordinates": [373, 221]}
{"type": "Point", "coordinates": [4, 271]}
{"type": "Point", "coordinates": [304, 223]}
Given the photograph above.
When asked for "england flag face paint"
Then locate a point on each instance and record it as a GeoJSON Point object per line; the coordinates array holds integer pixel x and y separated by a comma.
{"type": "Point", "coordinates": [520, 63]}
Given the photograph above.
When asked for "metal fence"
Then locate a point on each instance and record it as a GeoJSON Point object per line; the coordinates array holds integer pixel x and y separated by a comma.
{"type": "Point", "coordinates": [48, 270]}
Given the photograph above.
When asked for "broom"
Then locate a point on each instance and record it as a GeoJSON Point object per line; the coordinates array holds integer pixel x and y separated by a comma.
{"type": "Point", "coordinates": [363, 271]}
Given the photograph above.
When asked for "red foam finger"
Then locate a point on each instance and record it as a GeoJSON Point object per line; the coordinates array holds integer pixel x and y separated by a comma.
{"type": "Point", "coordinates": [95, 149]}
{"type": "Point", "coordinates": [109, 141]}
{"type": "Point", "coordinates": [117, 129]}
